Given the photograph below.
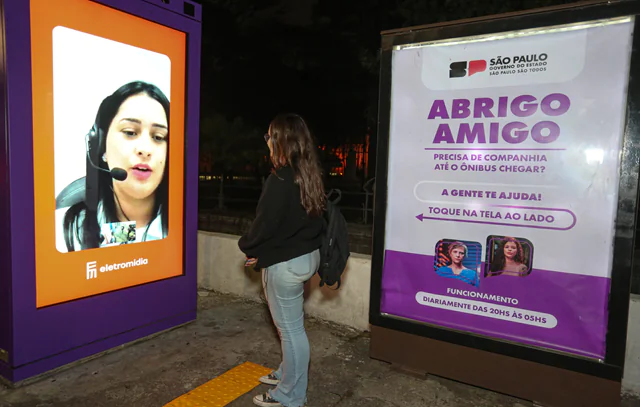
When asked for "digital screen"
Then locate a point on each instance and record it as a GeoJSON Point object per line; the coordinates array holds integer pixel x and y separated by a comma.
{"type": "Point", "coordinates": [108, 130]}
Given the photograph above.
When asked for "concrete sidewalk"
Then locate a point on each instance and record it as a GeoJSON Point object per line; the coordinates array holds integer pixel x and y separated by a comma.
{"type": "Point", "coordinates": [228, 332]}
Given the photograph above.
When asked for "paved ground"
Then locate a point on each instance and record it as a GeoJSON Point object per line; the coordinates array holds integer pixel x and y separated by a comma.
{"type": "Point", "coordinates": [230, 331]}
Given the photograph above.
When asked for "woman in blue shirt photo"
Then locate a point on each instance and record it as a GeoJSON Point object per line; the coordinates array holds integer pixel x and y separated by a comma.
{"type": "Point", "coordinates": [457, 252]}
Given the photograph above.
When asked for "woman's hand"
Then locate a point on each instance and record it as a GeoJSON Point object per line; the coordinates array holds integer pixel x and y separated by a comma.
{"type": "Point", "coordinates": [250, 261]}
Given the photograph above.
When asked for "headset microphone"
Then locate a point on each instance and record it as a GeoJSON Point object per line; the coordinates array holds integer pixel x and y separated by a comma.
{"type": "Point", "coordinates": [116, 173]}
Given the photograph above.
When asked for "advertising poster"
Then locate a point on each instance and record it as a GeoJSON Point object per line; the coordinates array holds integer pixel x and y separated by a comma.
{"type": "Point", "coordinates": [504, 158]}
{"type": "Point", "coordinates": [108, 136]}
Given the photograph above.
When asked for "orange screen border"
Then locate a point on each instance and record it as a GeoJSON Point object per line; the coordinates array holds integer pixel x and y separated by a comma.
{"type": "Point", "coordinates": [62, 277]}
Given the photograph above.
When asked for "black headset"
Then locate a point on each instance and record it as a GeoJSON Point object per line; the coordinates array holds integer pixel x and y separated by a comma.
{"type": "Point", "coordinates": [85, 188]}
{"type": "Point", "coordinates": [95, 137]}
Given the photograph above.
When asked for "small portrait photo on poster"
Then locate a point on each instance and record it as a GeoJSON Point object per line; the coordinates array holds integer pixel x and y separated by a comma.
{"type": "Point", "coordinates": [117, 233]}
{"type": "Point", "coordinates": [508, 256]}
{"type": "Point", "coordinates": [459, 260]}
{"type": "Point", "coordinates": [111, 110]}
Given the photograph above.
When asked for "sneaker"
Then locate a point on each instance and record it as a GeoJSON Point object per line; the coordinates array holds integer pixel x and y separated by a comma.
{"type": "Point", "coordinates": [270, 379]}
{"type": "Point", "coordinates": [265, 400]}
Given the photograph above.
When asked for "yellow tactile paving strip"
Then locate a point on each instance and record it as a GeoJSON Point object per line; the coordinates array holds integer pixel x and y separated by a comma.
{"type": "Point", "coordinates": [222, 390]}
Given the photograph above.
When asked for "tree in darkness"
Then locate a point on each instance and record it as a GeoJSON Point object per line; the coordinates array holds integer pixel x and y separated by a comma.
{"type": "Point", "coordinates": [260, 60]}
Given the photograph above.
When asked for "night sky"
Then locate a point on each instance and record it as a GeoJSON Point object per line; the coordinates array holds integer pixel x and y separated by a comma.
{"type": "Point", "coordinates": [318, 58]}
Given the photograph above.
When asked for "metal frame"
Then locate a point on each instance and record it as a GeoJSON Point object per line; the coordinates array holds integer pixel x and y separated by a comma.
{"type": "Point", "coordinates": [613, 366]}
{"type": "Point", "coordinates": [39, 340]}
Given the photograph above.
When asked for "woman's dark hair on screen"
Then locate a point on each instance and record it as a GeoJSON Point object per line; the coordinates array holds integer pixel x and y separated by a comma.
{"type": "Point", "coordinates": [90, 236]}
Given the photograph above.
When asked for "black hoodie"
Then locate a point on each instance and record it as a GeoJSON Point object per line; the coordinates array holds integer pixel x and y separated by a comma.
{"type": "Point", "coordinates": [282, 230]}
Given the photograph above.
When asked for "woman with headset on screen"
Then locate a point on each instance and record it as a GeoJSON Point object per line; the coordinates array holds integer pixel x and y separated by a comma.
{"type": "Point", "coordinates": [127, 151]}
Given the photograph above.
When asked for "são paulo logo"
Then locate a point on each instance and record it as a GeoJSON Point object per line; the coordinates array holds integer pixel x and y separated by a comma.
{"type": "Point", "coordinates": [509, 65]}
{"type": "Point", "coordinates": [462, 69]}
{"type": "Point", "coordinates": [518, 64]}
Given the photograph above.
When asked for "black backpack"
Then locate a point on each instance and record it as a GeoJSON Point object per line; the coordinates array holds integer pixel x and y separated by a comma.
{"type": "Point", "coordinates": [334, 251]}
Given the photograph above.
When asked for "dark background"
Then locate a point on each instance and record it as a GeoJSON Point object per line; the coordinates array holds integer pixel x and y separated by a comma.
{"type": "Point", "coordinates": [318, 58]}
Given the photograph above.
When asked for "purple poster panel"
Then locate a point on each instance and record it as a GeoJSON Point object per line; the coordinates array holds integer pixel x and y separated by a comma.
{"type": "Point", "coordinates": [504, 159]}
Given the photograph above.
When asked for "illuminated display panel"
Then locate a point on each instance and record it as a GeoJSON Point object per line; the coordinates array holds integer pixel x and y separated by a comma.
{"type": "Point", "coordinates": [108, 129]}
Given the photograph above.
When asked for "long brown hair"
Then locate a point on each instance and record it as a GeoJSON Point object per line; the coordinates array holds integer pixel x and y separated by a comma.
{"type": "Point", "coordinates": [292, 145]}
{"type": "Point", "coordinates": [499, 260]}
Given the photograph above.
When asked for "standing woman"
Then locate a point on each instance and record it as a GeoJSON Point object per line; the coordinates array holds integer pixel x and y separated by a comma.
{"type": "Point", "coordinates": [284, 241]}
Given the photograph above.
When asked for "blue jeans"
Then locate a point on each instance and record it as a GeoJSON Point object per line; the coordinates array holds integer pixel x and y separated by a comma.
{"type": "Point", "coordinates": [283, 285]}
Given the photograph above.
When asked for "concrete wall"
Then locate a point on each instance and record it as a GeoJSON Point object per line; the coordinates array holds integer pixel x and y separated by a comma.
{"type": "Point", "coordinates": [220, 268]}
{"type": "Point", "coordinates": [631, 382]}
